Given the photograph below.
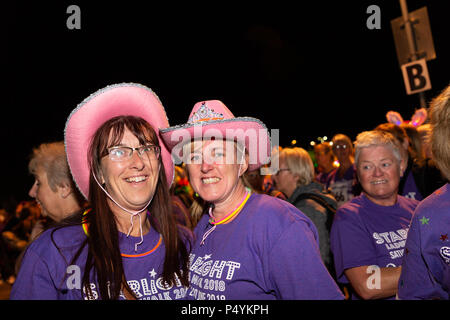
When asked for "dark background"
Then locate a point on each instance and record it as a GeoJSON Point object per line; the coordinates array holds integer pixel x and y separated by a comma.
{"type": "Point", "coordinates": [308, 68]}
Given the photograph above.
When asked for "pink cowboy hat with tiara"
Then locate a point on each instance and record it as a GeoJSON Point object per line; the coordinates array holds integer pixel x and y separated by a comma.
{"type": "Point", "coordinates": [212, 119]}
{"type": "Point", "coordinates": [115, 100]}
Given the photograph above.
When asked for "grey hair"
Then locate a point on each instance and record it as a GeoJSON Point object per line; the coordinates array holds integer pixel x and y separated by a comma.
{"type": "Point", "coordinates": [377, 138]}
{"type": "Point", "coordinates": [52, 158]}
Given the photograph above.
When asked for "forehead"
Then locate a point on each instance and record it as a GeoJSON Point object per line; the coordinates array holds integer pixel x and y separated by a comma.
{"type": "Point", "coordinates": [201, 145]}
{"type": "Point", "coordinates": [340, 142]}
{"type": "Point", "coordinates": [128, 137]}
{"type": "Point", "coordinates": [376, 153]}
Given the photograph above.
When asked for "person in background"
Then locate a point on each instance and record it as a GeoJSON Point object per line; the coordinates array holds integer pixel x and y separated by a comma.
{"type": "Point", "coordinates": [369, 232]}
{"type": "Point", "coordinates": [421, 178]}
{"type": "Point", "coordinates": [426, 266]}
{"type": "Point", "coordinates": [295, 179]}
{"type": "Point", "coordinates": [256, 246]}
{"type": "Point", "coordinates": [325, 158]}
{"type": "Point", "coordinates": [415, 142]}
{"type": "Point", "coordinates": [342, 180]}
{"type": "Point", "coordinates": [53, 187]}
{"type": "Point", "coordinates": [256, 182]}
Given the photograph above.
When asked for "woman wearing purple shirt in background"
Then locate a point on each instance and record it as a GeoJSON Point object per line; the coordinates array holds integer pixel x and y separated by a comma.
{"type": "Point", "coordinates": [369, 232]}
{"type": "Point", "coordinates": [426, 266]}
{"type": "Point", "coordinates": [250, 246]}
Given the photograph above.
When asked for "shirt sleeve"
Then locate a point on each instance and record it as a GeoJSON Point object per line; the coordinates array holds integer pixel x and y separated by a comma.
{"type": "Point", "coordinates": [416, 280]}
{"type": "Point", "coordinates": [34, 281]}
{"type": "Point", "coordinates": [296, 270]}
{"type": "Point", "coordinates": [349, 235]}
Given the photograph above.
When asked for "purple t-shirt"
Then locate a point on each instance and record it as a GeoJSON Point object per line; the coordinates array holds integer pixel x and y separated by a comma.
{"type": "Point", "coordinates": [342, 188]}
{"type": "Point", "coordinates": [46, 273]}
{"type": "Point", "coordinates": [426, 266]}
{"type": "Point", "coordinates": [410, 189]}
{"type": "Point", "coordinates": [269, 251]}
{"type": "Point", "coordinates": [364, 233]}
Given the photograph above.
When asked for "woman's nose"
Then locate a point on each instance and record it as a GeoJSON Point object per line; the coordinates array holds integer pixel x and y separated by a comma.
{"type": "Point", "coordinates": [206, 166]}
{"type": "Point", "coordinates": [32, 192]}
{"type": "Point", "coordinates": [137, 160]}
{"type": "Point", "coordinates": [377, 172]}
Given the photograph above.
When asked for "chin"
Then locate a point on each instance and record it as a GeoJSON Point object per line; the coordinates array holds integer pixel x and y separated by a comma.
{"type": "Point", "coordinates": [209, 196]}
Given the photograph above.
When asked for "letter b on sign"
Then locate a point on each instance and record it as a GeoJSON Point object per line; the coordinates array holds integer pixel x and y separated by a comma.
{"type": "Point", "coordinates": [415, 76]}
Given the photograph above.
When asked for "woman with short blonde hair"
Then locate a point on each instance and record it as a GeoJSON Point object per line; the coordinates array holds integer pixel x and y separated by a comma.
{"type": "Point", "coordinates": [299, 162]}
{"type": "Point", "coordinates": [369, 231]}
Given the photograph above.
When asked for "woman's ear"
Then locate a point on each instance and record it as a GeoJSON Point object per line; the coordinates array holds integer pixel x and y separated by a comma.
{"type": "Point", "coordinates": [244, 166]}
{"type": "Point", "coordinates": [64, 190]}
{"type": "Point", "coordinates": [403, 164]}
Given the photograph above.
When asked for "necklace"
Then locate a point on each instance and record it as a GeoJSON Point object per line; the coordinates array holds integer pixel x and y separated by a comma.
{"type": "Point", "coordinates": [226, 218]}
{"type": "Point", "coordinates": [232, 213]}
{"type": "Point", "coordinates": [85, 226]}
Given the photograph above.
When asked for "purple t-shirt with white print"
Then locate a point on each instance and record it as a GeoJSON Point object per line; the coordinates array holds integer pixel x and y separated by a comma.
{"type": "Point", "coordinates": [426, 266]}
{"type": "Point", "coordinates": [410, 189]}
{"type": "Point", "coordinates": [269, 251]}
{"type": "Point", "coordinates": [365, 233]}
{"type": "Point", "coordinates": [46, 273]}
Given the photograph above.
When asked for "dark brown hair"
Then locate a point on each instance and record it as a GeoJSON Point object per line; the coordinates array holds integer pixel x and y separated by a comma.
{"type": "Point", "coordinates": [103, 241]}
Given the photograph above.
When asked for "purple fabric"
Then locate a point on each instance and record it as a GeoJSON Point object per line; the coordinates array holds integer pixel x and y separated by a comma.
{"type": "Point", "coordinates": [364, 233]}
{"type": "Point", "coordinates": [45, 273]}
{"type": "Point", "coordinates": [269, 251]}
{"type": "Point", "coordinates": [426, 266]}
{"type": "Point", "coordinates": [342, 188]}
{"type": "Point", "coordinates": [410, 189]}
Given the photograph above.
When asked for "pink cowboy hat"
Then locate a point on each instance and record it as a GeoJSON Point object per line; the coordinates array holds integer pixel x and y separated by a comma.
{"type": "Point", "coordinates": [213, 119]}
{"type": "Point", "coordinates": [115, 100]}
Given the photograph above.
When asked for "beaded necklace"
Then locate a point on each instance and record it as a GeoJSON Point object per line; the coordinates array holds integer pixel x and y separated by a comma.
{"type": "Point", "coordinates": [228, 217]}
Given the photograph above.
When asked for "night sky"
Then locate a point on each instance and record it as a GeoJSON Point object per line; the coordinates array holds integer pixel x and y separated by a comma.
{"type": "Point", "coordinates": [308, 70]}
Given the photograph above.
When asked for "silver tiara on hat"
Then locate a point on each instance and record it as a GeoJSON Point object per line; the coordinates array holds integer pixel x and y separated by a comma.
{"type": "Point", "coordinates": [205, 114]}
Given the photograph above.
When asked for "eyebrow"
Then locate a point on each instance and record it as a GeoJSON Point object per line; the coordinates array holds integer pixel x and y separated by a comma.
{"type": "Point", "coordinates": [384, 159]}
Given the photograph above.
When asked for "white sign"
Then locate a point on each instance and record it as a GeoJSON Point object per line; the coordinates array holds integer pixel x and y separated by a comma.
{"type": "Point", "coordinates": [415, 75]}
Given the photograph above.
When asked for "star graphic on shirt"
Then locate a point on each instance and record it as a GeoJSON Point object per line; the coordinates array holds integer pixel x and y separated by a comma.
{"type": "Point", "coordinates": [444, 237]}
{"type": "Point", "coordinates": [152, 273]}
{"type": "Point", "coordinates": [207, 256]}
{"type": "Point", "coordinates": [424, 220]}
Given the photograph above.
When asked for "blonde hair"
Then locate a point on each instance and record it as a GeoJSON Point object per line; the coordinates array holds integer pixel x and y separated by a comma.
{"type": "Point", "coordinates": [376, 138]}
{"type": "Point", "coordinates": [51, 157]}
{"type": "Point", "coordinates": [299, 163]}
{"type": "Point", "coordinates": [440, 134]}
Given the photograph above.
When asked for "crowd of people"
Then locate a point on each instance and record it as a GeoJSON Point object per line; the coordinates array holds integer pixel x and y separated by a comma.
{"type": "Point", "coordinates": [362, 219]}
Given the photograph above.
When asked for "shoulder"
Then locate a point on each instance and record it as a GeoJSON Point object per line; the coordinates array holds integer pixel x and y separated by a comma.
{"type": "Point", "coordinates": [437, 202]}
{"type": "Point", "coordinates": [407, 203]}
{"type": "Point", "coordinates": [275, 214]}
{"type": "Point", "coordinates": [439, 198]}
{"type": "Point", "coordinates": [55, 239]}
{"type": "Point", "coordinates": [351, 208]}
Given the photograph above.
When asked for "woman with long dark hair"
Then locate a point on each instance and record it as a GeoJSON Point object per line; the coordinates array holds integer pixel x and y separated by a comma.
{"type": "Point", "coordinates": [126, 245]}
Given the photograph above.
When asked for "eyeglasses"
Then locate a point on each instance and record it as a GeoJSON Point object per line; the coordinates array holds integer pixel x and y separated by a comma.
{"type": "Point", "coordinates": [121, 153]}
